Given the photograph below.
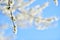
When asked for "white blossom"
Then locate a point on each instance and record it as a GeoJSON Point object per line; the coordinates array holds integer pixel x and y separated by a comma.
{"type": "Point", "coordinates": [4, 2]}
{"type": "Point", "coordinates": [44, 23]}
{"type": "Point", "coordinates": [21, 4]}
{"type": "Point", "coordinates": [35, 11]}
{"type": "Point", "coordinates": [3, 37]}
{"type": "Point", "coordinates": [56, 2]}
{"type": "Point", "coordinates": [26, 18]}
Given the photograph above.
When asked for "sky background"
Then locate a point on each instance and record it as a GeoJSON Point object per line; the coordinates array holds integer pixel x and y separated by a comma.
{"type": "Point", "coordinates": [33, 34]}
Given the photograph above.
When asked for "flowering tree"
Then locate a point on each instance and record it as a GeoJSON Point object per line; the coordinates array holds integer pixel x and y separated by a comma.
{"type": "Point", "coordinates": [26, 16]}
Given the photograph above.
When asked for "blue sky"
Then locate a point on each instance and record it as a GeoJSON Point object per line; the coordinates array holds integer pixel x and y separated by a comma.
{"type": "Point", "coordinates": [32, 33]}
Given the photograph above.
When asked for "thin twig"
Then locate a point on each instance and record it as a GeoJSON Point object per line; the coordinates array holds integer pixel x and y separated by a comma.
{"type": "Point", "coordinates": [12, 18]}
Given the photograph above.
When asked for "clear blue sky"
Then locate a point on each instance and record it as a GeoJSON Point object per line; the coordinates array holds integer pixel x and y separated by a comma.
{"type": "Point", "coordinates": [32, 33]}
